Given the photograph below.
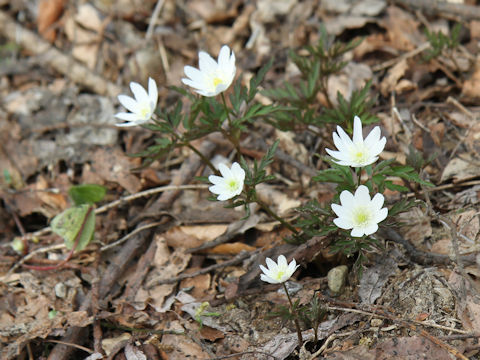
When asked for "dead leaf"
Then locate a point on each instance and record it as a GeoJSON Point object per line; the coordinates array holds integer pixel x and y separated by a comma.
{"type": "Point", "coordinates": [460, 169]}
{"type": "Point", "coordinates": [134, 353]}
{"type": "Point", "coordinates": [417, 226]}
{"type": "Point", "coordinates": [165, 265]}
{"type": "Point", "coordinates": [231, 248]}
{"type": "Point", "coordinates": [374, 278]}
{"type": "Point", "coordinates": [471, 86]}
{"type": "Point", "coordinates": [410, 348]}
{"type": "Point", "coordinates": [109, 344]}
{"type": "Point", "coordinates": [402, 29]}
{"type": "Point", "coordinates": [393, 76]}
{"type": "Point", "coordinates": [48, 13]}
{"type": "Point", "coordinates": [188, 237]}
{"type": "Point", "coordinates": [113, 165]}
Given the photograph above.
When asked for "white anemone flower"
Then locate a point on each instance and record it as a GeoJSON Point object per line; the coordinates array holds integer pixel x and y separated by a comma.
{"type": "Point", "coordinates": [213, 77]}
{"type": "Point", "coordinates": [357, 152]}
{"type": "Point", "coordinates": [278, 272]}
{"type": "Point", "coordinates": [230, 184]}
{"type": "Point", "coordinates": [358, 212]}
{"type": "Point", "coordinates": [141, 107]}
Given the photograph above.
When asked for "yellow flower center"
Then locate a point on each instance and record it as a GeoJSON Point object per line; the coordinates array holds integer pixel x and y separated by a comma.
{"type": "Point", "coordinates": [232, 184]}
{"type": "Point", "coordinates": [145, 110]}
{"type": "Point", "coordinates": [217, 81]}
{"type": "Point", "coordinates": [360, 154]}
{"type": "Point", "coordinates": [280, 274]}
{"type": "Point", "coordinates": [361, 217]}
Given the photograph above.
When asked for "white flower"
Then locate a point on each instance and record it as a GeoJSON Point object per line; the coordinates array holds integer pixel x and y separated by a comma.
{"type": "Point", "coordinates": [142, 107]}
{"type": "Point", "coordinates": [230, 184]}
{"type": "Point", "coordinates": [213, 77]}
{"type": "Point", "coordinates": [358, 212]}
{"type": "Point", "coordinates": [278, 273]}
{"type": "Point", "coordinates": [357, 152]}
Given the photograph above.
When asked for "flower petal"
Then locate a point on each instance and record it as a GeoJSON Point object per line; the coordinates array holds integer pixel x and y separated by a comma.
{"type": "Point", "coordinates": [128, 103]}
{"type": "Point", "coordinates": [347, 199]}
{"type": "Point", "coordinates": [357, 232]}
{"type": "Point", "coordinates": [343, 223]}
{"type": "Point", "coordinates": [126, 116]}
{"type": "Point", "coordinates": [357, 131]}
{"type": "Point", "coordinates": [206, 63]}
{"type": "Point", "coordinates": [362, 195]}
{"type": "Point", "coordinates": [152, 92]}
{"type": "Point", "coordinates": [139, 92]}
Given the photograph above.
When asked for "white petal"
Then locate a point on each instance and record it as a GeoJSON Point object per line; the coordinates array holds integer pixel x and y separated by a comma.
{"type": "Point", "coordinates": [344, 138]}
{"type": "Point", "coordinates": [381, 215]}
{"type": "Point", "coordinates": [340, 211]}
{"type": "Point", "coordinates": [369, 230]}
{"type": "Point", "coordinates": [152, 92]}
{"type": "Point", "coordinates": [238, 172]}
{"type": "Point", "coordinates": [338, 141]}
{"type": "Point", "coordinates": [196, 86]}
{"type": "Point", "coordinates": [373, 137]}
{"type": "Point", "coordinates": [357, 232]}
{"type": "Point", "coordinates": [224, 170]}
{"type": "Point", "coordinates": [377, 202]}
{"type": "Point", "coordinates": [206, 62]}
{"type": "Point", "coordinates": [362, 195]}
{"type": "Point", "coordinates": [194, 74]}
{"type": "Point", "coordinates": [282, 262]}
{"type": "Point", "coordinates": [225, 196]}
{"type": "Point", "coordinates": [214, 179]}
{"type": "Point", "coordinates": [268, 279]}
{"type": "Point", "coordinates": [129, 103]}
{"type": "Point", "coordinates": [357, 131]}
{"type": "Point", "coordinates": [347, 199]}
{"type": "Point", "coordinates": [378, 147]}
{"type": "Point", "coordinates": [343, 223]}
{"type": "Point", "coordinates": [224, 56]}
{"type": "Point", "coordinates": [139, 92]}
{"type": "Point", "coordinates": [127, 116]}
{"type": "Point", "coordinates": [217, 189]}
{"type": "Point", "coordinates": [272, 265]}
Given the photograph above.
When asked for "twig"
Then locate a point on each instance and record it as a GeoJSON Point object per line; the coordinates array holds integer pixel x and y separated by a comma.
{"type": "Point", "coordinates": [64, 64]}
{"type": "Point", "coordinates": [238, 258]}
{"type": "Point", "coordinates": [243, 353]}
{"type": "Point", "coordinates": [468, 12]}
{"type": "Point", "coordinates": [80, 347]}
{"type": "Point", "coordinates": [154, 18]}
{"type": "Point", "coordinates": [126, 199]}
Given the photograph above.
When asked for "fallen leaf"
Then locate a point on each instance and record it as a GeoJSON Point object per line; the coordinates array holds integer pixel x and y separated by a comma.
{"type": "Point", "coordinates": [48, 13]}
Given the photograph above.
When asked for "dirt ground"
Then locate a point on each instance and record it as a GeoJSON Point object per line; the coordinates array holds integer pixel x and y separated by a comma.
{"type": "Point", "coordinates": [162, 251]}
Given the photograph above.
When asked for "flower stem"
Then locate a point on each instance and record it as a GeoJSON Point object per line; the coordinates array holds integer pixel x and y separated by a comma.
{"type": "Point", "coordinates": [203, 157]}
{"type": "Point", "coordinates": [276, 217]}
{"type": "Point", "coordinates": [229, 135]}
{"type": "Point", "coordinates": [295, 319]}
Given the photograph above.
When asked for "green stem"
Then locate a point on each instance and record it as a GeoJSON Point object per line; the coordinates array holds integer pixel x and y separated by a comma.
{"type": "Point", "coordinates": [276, 217]}
{"type": "Point", "coordinates": [295, 319]}
{"type": "Point", "coordinates": [203, 157]}
{"type": "Point", "coordinates": [233, 139]}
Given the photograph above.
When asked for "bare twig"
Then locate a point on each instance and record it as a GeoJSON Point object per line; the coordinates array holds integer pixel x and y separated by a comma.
{"type": "Point", "coordinates": [154, 18]}
{"type": "Point", "coordinates": [49, 54]}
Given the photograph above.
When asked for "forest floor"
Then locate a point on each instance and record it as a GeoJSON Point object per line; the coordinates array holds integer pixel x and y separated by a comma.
{"type": "Point", "coordinates": [172, 275]}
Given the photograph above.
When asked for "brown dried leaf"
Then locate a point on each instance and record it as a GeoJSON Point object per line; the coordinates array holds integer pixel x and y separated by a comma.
{"type": "Point", "coordinates": [48, 13]}
{"type": "Point", "coordinates": [113, 165]}
{"type": "Point", "coordinates": [188, 237]}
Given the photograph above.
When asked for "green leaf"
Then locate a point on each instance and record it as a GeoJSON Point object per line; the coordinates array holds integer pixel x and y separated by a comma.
{"type": "Point", "coordinates": [75, 221]}
{"type": "Point", "coordinates": [86, 193]}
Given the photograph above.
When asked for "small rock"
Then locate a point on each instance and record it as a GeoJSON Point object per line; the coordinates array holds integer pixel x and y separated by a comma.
{"type": "Point", "coordinates": [336, 278]}
{"type": "Point", "coordinates": [61, 290]}
{"type": "Point", "coordinates": [376, 322]}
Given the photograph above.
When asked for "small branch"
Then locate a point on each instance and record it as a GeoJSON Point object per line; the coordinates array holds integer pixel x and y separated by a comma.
{"type": "Point", "coordinates": [239, 257]}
